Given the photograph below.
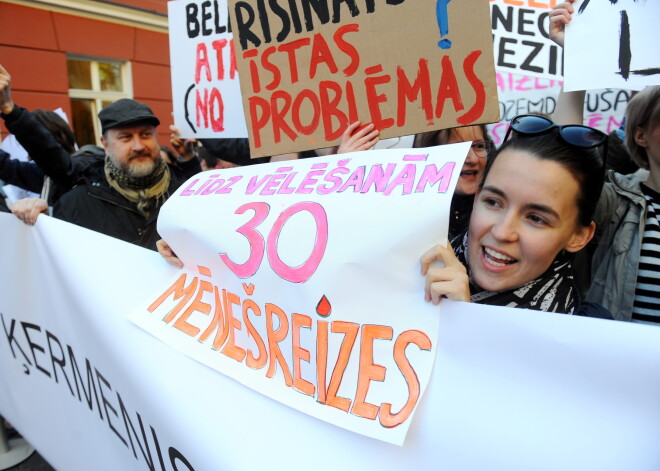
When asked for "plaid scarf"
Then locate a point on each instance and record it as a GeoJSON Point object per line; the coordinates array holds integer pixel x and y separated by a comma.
{"type": "Point", "coordinates": [553, 291]}
{"type": "Point", "coordinates": [147, 192]}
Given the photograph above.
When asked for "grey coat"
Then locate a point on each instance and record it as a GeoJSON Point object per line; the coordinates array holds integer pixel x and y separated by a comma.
{"type": "Point", "coordinates": [620, 219]}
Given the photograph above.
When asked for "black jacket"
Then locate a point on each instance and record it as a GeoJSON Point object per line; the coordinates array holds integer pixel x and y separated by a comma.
{"type": "Point", "coordinates": [97, 206]}
{"type": "Point", "coordinates": [51, 158]}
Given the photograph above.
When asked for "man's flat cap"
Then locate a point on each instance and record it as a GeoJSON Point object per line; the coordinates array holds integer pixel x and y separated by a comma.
{"type": "Point", "coordinates": [125, 112]}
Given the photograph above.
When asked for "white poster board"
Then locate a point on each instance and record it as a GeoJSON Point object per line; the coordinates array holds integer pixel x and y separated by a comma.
{"type": "Point", "coordinates": [287, 291]}
{"type": "Point", "coordinates": [521, 43]}
{"type": "Point", "coordinates": [613, 44]}
{"type": "Point", "coordinates": [206, 94]}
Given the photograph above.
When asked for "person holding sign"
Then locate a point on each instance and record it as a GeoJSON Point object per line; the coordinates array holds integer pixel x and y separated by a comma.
{"type": "Point", "coordinates": [625, 267]}
{"type": "Point", "coordinates": [533, 210]}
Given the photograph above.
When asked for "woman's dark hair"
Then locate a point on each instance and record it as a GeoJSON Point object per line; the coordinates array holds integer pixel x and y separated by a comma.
{"type": "Point", "coordinates": [58, 128]}
{"type": "Point", "coordinates": [586, 166]}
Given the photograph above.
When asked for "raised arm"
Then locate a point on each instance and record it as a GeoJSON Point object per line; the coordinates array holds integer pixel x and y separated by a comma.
{"type": "Point", "coordinates": [570, 105]}
{"type": "Point", "coordinates": [40, 144]}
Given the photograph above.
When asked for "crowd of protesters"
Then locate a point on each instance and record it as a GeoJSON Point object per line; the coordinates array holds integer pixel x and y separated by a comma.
{"type": "Point", "coordinates": [560, 218]}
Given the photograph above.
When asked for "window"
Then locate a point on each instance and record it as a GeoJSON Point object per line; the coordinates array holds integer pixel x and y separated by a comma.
{"type": "Point", "coordinates": [94, 84]}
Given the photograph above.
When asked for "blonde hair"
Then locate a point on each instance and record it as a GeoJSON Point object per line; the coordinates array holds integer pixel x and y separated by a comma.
{"type": "Point", "coordinates": [643, 111]}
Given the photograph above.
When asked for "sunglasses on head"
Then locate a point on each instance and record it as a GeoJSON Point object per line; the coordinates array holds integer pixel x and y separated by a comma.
{"type": "Point", "coordinates": [572, 134]}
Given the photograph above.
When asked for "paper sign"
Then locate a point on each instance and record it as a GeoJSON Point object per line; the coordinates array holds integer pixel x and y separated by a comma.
{"type": "Point", "coordinates": [205, 89]}
{"type": "Point", "coordinates": [287, 291]}
{"type": "Point", "coordinates": [309, 69]}
{"type": "Point", "coordinates": [613, 44]}
{"type": "Point", "coordinates": [521, 41]}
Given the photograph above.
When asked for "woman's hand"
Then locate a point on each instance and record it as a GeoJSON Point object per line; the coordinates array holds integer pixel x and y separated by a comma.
{"type": "Point", "coordinates": [450, 281]}
{"type": "Point", "coordinates": [560, 16]}
{"type": "Point", "coordinates": [28, 209]}
{"type": "Point", "coordinates": [168, 254]}
{"type": "Point", "coordinates": [353, 141]}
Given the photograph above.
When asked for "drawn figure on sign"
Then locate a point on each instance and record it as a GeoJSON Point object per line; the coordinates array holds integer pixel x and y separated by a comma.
{"type": "Point", "coordinates": [533, 210]}
{"type": "Point", "coordinates": [625, 53]}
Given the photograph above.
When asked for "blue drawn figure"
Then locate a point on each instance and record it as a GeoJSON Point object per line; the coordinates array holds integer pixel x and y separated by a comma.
{"type": "Point", "coordinates": [443, 23]}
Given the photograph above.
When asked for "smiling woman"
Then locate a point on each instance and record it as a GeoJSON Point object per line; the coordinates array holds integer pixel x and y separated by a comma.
{"type": "Point", "coordinates": [533, 210]}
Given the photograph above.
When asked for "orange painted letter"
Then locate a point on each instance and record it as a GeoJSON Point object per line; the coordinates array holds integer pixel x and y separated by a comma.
{"type": "Point", "coordinates": [369, 371]}
{"type": "Point", "coordinates": [387, 419]}
{"type": "Point", "coordinates": [274, 337]}
{"type": "Point", "coordinates": [350, 331]}
{"type": "Point", "coordinates": [230, 349]}
{"type": "Point", "coordinates": [260, 361]}
{"type": "Point", "coordinates": [299, 353]}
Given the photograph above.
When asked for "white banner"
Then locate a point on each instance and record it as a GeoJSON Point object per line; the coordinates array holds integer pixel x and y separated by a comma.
{"type": "Point", "coordinates": [299, 275]}
{"type": "Point", "coordinates": [613, 44]}
{"type": "Point", "coordinates": [510, 389]}
{"type": "Point", "coordinates": [205, 89]}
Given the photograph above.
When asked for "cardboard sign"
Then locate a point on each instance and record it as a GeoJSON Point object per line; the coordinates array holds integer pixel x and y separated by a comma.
{"type": "Point", "coordinates": [309, 69]}
{"type": "Point", "coordinates": [613, 44]}
{"type": "Point", "coordinates": [205, 89]}
{"type": "Point", "coordinates": [287, 293]}
{"type": "Point", "coordinates": [511, 389]}
{"type": "Point", "coordinates": [521, 42]}
{"type": "Point", "coordinates": [521, 94]}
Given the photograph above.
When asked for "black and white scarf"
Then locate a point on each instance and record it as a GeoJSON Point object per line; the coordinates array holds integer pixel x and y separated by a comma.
{"type": "Point", "coordinates": [146, 192]}
{"type": "Point", "coordinates": [553, 291]}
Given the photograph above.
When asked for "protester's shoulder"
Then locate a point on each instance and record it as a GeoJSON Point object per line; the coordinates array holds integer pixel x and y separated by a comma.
{"type": "Point", "coordinates": [630, 181]}
{"type": "Point", "coordinates": [93, 176]}
{"type": "Point", "coordinates": [89, 154]}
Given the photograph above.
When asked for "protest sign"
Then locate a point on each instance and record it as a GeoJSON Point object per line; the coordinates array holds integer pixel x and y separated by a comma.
{"type": "Point", "coordinates": [521, 94]}
{"type": "Point", "coordinates": [288, 293]}
{"type": "Point", "coordinates": [206, 93]}
{"type": "Point", "coordinates": [309, 69]}
{"type": "Point", "coordinates": [91, 391]}
{"type": "Point", "coordinates": [612, 44]}
{"type": "Point", "coordinates": [521, 41]}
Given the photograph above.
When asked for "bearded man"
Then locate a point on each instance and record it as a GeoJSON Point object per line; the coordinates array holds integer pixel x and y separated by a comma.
{"type": "Point", "coordinates": [122, 195]}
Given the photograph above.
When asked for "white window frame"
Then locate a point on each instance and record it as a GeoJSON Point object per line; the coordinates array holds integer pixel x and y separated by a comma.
{"type": "Point", "coordinates": [96, 95]}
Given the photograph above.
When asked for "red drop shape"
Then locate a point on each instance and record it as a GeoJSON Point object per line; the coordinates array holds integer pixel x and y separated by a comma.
{"type": "Point", "coordinates": [323, 308]}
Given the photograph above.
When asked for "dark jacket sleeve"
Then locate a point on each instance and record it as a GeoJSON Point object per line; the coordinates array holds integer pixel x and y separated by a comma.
{"type": "Point", "coordinates": [42, 147]}
{"type": "Point", "coordinates": [184, 170]}
{"type": "Point", "coordinates": [25, 175]}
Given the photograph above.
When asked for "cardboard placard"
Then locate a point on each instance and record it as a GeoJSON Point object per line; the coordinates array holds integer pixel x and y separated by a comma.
{"type": "Point", "coordinates": [309, 69]}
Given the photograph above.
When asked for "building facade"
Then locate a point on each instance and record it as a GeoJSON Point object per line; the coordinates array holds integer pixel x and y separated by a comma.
{"type": "Point", "coordinates": [79, 55]}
